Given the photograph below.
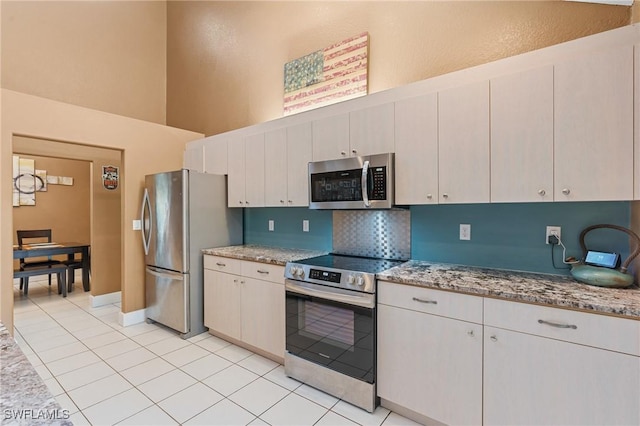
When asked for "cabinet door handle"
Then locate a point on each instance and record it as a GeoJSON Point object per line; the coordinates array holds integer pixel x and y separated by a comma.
{"type": "Point", "coordinates": [260, 271]}
{"type": "Point", "coordinates": [566, 191]}
{"type": "Point", "coordinates": [542, 192]}
{"type": "Point", "coordinates": [343, 153]}
{"type": "Point", "coordinates": [557, 325]}
{"type": "Point", "coordinates": [220, 264]}
{"type": "Point", "coordinates": [445, 195]}
{"type": "Point", "coordinates": [471, 333]}
{"type": "Point", "coordinates": [433, 302]}
{"type": "Point", "coordinates": [493, 338]}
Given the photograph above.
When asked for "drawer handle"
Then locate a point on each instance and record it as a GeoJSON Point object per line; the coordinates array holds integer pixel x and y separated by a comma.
{"type": "Point", "coordinates": [221, 264]}
{"type": "Point", "coordinates": [260, 271]}
{"type": "Point", "coordinates": [555, 324]}
{"type": "Point", "coordinates": [433, 302]}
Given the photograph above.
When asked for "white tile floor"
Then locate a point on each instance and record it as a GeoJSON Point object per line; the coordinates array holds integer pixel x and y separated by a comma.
{"type": "Point", "coordinates": [146, 375]}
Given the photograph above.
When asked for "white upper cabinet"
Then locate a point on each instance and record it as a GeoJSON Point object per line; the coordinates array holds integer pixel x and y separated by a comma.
{"type": "Point", "coordinates": [594, 126]}
{"type": "Point", "coordinates": [371, 130]}
{"type": "Point", "coordinates": [275, 167]}
{"type": "Point", "coordinates": [362, 132]}
{"type": "Point", "coordinates": [463, 145]}
{"type": "Point", "coordinates": [215, 156]}
{"type": "Point", "coordinates": [193, 158]}
{"type": "Point", "coordinates": [299, 154]}
{"type": "Point", "coordinates": [287, 155]}
{"type": "Point", "coordinates": [331, 137]}
{"type": "Point", "coordinates": [522, 136]}
{"type": "Point", "coordinates": [254, 161]}
{"type": "Point", "coordinates": [246, 171]}
{"type": "Point", "coordinates": [416, 159]}
{"type": "Point", "coordinates": [236, 178]}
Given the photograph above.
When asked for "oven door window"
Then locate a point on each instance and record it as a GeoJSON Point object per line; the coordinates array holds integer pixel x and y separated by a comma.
{"type": "Point", "coordinates": [338, 336]}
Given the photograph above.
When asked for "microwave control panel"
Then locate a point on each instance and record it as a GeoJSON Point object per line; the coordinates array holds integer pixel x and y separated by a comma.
{"type": "Point", "coordinates": [379, 190]}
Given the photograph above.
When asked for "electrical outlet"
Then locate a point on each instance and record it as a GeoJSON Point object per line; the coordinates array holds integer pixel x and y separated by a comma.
{"type": "Point", "coordinates": [465, 231]}
{"type": "Point", "coordinates": [271, 225]}
{"type": "Point", "coordinates": [305, 225]}
{"type": "Point", "coordinates": [552, 230]}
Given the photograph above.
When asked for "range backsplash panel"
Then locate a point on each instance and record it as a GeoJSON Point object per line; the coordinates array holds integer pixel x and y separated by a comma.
{"type": "Point", "coordinates": [383, 234]}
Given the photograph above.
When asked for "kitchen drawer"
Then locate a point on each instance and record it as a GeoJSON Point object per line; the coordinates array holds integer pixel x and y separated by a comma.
{"type": "Point", "coordinates": [263, 271]}
{"type": "Point", "coordinates": [437, 302]}
{"type": "Point", "coordinates": [222, 264]}
{"type": "Point", "coordinates": [601, 331]}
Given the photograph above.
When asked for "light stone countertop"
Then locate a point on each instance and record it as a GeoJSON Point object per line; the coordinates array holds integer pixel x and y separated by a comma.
{"type": "Point", "coordinates": [256, 253]}
{"type": "Point", "coordinates": [545, 289]}
{"type": "Point", "coordinates": [24, 397]}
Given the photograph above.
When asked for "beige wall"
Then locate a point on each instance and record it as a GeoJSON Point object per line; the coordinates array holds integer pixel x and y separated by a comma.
{"type": "Point", "coordinates": [105, 55]}
{"type": "Point", "coordinates": [64, 209]}
{"type": "Point", "coordinates": [146, 148]}
{"type": "Point", "coordinates": [225, 59]}
{"type": "Point", "coordinates": [104, 207]}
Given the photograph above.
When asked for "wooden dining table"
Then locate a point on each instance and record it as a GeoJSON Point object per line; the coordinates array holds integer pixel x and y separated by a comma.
{"type": "Point", "coordinates": [56, 249]}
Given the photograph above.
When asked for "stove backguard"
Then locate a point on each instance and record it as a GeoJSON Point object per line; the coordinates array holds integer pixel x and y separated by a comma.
{"type": "Point", "coordinates": [383, 234]}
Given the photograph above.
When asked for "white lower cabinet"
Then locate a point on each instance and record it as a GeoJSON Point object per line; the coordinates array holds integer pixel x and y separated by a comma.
{"type": "Point", "coordinates": [429, 364]}
{"type": "Point", "coordinates": [245, 301]}
{"type": "Point", "coordinates": [536, 372]}
{"type": "Point", "coordinates": [519, 364]}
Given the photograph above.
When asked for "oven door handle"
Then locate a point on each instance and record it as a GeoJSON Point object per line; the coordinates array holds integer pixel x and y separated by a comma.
{"type": "Point", "coordinates": [364, 300]}
{"type": "Point", "coordinates": [364, 184]}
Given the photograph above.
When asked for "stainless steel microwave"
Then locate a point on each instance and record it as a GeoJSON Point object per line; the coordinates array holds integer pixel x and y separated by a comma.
{"type": "Point", "coordinates": [352, 183]}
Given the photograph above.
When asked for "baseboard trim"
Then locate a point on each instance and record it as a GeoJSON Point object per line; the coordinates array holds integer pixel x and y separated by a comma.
{"type": "Point", "coordinates": [126, 319]}
{"type": "Point", "coordinates": [105, 299]}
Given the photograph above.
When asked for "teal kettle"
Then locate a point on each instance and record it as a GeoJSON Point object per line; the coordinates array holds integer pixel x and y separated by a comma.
{"type": "Point", "coordinates": [606, 277]}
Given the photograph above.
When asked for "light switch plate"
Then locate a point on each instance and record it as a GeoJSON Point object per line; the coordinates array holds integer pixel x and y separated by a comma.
{"type": "Point", "coordinates": [137, 225]}
{"type": "Point", "coordinates": [271, 225]}
{"type": "Point", "coordinates": [305, 225]}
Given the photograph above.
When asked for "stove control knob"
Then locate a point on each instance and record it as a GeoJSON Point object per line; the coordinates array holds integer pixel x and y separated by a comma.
{"type": "Point", "coordinates": [359, 281]}
{"type": "Point", "coordinates": [295, 270]}
{"type": "Point", "coordinates": [351, 279]}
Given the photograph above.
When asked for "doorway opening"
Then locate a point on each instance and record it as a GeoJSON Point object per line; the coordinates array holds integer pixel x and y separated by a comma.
{"type": "Point", "coordinates": [87, 211]}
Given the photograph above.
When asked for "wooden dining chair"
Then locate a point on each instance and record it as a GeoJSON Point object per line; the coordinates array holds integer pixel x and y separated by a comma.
{"type": "Point", "coordinates": [72, 265]}
{"type": "Point", "coordinates": [36, 235]}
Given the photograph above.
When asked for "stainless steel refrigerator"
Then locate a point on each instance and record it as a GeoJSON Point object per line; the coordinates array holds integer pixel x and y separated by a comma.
{"type": "Point", "coordinates": [183, 212]}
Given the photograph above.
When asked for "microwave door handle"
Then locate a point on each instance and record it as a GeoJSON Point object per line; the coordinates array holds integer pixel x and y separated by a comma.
{"type": "Point", "coordinates": [363, 184]}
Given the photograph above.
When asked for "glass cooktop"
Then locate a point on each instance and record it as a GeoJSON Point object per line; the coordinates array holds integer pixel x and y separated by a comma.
{"type": "Point", "coordinates": [351, 263]}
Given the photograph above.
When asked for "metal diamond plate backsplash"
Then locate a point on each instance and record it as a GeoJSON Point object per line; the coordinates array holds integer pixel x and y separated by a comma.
{"type": "Point", "coordinates": [384, 234]}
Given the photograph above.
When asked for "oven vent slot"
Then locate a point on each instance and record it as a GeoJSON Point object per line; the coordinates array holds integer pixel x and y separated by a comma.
{"type": "Point", "coordinates": [383, 234]}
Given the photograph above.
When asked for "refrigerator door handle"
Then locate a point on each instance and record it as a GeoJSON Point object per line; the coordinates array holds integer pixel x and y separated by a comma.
{"type": "Point", "coordinates": [175, 276]}
{"type": "Point", "coordinates": [147, 224]}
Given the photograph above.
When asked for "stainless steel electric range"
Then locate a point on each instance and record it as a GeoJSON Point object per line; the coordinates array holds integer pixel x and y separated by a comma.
{"type": "Point", "coordinates": [331, 325]}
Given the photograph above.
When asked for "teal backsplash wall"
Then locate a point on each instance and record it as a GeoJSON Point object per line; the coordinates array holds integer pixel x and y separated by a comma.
{"type": "Point", "coordinates": [505, 236]}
